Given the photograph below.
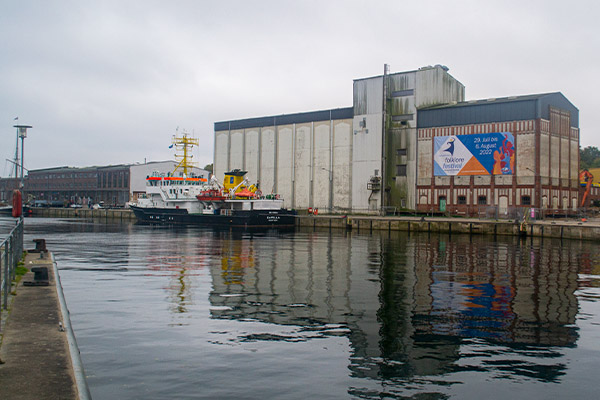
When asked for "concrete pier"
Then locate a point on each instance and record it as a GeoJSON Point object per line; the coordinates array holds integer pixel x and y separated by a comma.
{"type": "Point", "coordinates": [559, 228]}
{"type": "Point", "coordinates": [103, 213]}
{"type": "Point", "coordinates": [550, 228]}
{"type": "Point", "coordinates": [35, 350]}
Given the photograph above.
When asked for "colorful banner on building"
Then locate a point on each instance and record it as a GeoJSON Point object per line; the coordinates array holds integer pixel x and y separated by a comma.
{"type": "Point", "coordinates": [482, 154]}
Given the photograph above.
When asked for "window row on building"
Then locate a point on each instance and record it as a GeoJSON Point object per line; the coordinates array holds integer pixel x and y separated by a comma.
{"type": "Point", "coordinates": [112, 185]}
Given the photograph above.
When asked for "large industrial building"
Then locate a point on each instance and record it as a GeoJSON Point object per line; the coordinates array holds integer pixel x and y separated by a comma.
{"type": "Point", "coordinates": [340, 160]}
{"type": "Point", "coordinates": [394, 150]}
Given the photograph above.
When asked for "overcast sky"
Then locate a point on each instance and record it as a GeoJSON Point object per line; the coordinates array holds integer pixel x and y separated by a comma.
{"type": "Point", "coordinates": [109, 82]}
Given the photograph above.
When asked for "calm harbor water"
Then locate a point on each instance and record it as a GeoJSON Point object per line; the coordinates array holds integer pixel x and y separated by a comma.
{"type": "Point", "coordinates": [162, 313]}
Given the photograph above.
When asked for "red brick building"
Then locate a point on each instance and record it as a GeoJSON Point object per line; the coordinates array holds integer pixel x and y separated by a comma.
{"type": "Point", "coordinates": [544, 169]}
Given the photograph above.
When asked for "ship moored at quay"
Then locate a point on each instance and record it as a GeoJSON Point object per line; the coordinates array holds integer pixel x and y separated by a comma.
{"type": "Point", "coordinates": [182, 198]}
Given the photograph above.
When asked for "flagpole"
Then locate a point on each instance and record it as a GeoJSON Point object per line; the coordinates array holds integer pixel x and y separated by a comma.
{"type": "Point", "coordinates": [17, 152]}
{"type": "Point", "coordinates": [17, 156]}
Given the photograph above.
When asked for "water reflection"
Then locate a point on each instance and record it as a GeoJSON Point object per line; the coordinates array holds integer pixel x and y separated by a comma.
{"type": "Point", "coordinates": [182, 256]}
{"type": "Point", "coordinates": [418, 306]}
{"type": "Point", "coordinates": [327, 314]}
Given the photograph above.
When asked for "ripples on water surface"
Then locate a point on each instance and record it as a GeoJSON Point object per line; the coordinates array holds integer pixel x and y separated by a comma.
{"type": "Point", "coordinates": [187, 313]}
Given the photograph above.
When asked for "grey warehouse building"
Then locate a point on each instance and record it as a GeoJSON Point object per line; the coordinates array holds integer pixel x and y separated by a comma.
{"type": "Point", "coordinates": [339, 160]}
{"type": "Point", "coordinates": [372, 158]}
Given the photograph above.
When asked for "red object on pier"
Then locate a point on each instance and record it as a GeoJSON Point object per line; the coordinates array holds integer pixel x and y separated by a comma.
{"type": "Point", "coordinates": [17, 204]}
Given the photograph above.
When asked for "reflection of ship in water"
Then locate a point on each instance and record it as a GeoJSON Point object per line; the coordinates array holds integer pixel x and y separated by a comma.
{"type": "Point", "coordinates": [236, 257]}
{"type": "Point", "coordinates": [411, 306]}
{"type": "Point", "coordinates": [179, 288]}
{"type": "Point", "coordinates": [182, 257]}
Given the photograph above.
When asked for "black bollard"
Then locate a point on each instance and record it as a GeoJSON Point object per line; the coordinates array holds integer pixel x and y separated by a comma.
{"type": "Point", "coordinates": [40, 246]}
{"type": "Point", "coordinates": [40, 277]}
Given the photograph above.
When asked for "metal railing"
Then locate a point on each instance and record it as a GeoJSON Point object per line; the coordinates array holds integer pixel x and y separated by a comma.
{"type": "Point", "coordinates": [11, 252]}
{"type": "Point", "coordinates": [530, 213]}
{"type": "Point", "coordinates": [498, 213]}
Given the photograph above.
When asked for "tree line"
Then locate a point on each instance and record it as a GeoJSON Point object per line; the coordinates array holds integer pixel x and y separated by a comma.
{"type": "Point", "coordinates": [589, 157]}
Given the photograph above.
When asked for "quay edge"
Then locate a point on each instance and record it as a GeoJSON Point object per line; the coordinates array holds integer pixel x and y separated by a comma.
{"type": "Point", "coordinates": [40, 356]}
{"type": "Point", "coordinates": [104, 213]}
{"type": "Point", "coordinates": [561, 229]}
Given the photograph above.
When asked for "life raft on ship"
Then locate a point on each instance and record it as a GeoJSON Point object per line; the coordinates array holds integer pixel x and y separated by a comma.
{"type": "Point", "coordinates": [211, 195]}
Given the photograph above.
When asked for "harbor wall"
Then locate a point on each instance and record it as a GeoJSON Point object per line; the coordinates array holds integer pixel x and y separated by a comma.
{"type": "Point", "coordinates": [561, 229]}
{"type": "Point", "coordinates": [39, 354]}
{"type": "Point", "coordinates": [118, 214]}
{"type": "Point", "coordinates": [549, 229]}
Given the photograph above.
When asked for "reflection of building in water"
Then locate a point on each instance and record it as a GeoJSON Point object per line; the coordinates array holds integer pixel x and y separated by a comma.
{"type": "Point", "coordinates": [408, 303]}
{"type": "Point", "coordinates": [499, 292]}
{"type": "Point", "coordinates": [515, 294]}
{"type": "Point", "coordinates": [589, 267]}
{"type": "Point", "coordinates": [294, 281]}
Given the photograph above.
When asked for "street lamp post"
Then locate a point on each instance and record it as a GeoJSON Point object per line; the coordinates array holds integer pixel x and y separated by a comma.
{"type": "Point", "coordinates": [22, 133]}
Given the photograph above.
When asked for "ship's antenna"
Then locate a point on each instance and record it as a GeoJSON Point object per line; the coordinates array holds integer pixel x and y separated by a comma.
{"type": "Point", "coordinates": [184, 144]}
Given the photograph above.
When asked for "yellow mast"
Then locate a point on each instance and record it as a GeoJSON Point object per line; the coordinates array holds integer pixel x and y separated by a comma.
{"type": "Point", "coordinates": [184, 143]}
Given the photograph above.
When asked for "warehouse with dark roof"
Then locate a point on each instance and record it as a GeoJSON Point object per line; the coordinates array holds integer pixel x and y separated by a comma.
{"type": "Point", "coordinates": [410, 141]}
{"type": "Point", "coordinates": [545, 159]}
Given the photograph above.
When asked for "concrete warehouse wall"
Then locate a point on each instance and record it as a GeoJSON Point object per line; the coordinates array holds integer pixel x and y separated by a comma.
{"type": "Point", "coordinates": [325, 159]}
{"type": "Point", "coordinates": [307, 163]}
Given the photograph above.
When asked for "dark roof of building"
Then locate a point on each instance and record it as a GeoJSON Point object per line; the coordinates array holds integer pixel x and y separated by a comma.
{"type": "Point", "coordinates": [115, 166]}
{"type": "Point", "coordinates": [77, 169]}
{"type": "Point", "coordinates": [286, 119]}
{"type": "Point", "coordinates": [52, 169]}
{"type": "Point", "coordinates": [505, 109]}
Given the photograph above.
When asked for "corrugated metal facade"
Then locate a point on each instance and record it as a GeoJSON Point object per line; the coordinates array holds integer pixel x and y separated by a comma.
{"type": "Point", "coordinates": [517, 108]}
{"type": "Point", "coordinates": [392, 152]}
{"type": "Point", "coordinates": [286, 119]}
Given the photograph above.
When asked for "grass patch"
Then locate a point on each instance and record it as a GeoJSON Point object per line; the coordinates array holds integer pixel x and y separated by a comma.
{"type": "Point", "coordinates": [19, 272]}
